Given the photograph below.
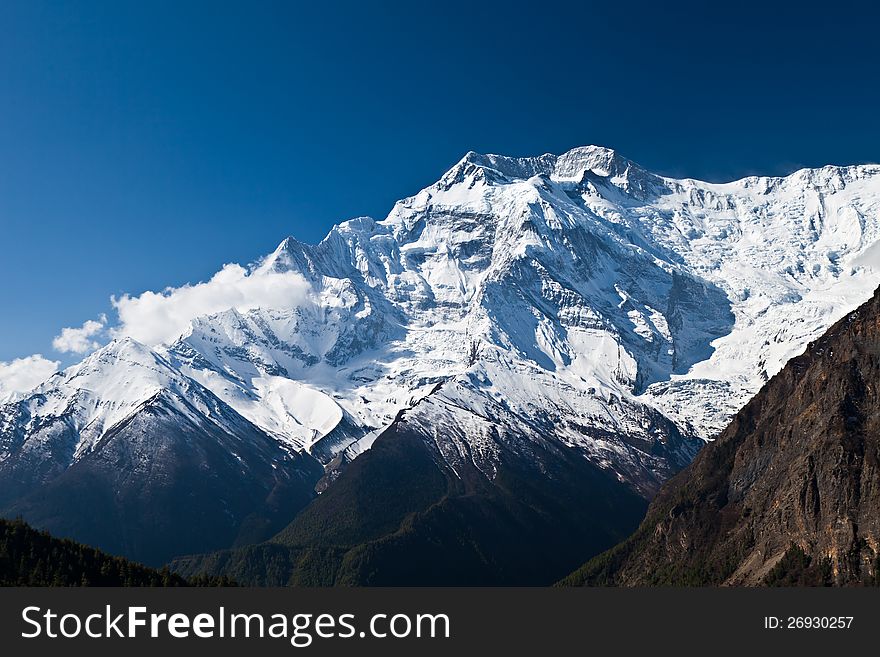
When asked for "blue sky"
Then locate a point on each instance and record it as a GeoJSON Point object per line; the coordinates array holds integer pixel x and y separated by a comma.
{"type": "Point", "coordinates": [146, 144]}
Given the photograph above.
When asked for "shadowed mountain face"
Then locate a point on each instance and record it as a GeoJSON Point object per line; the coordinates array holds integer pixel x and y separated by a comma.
{"type": "Point", "coordinates": [181, 471]}
{"type": "Point", "coordinates": [193, 495]}
{"type": "Point", "coordinates": [790, 492]}
{"type": "Point", "coordinates": [400, 516]}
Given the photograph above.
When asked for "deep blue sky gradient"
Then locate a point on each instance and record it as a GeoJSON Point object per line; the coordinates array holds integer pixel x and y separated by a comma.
{"type": "Point", "coordinates": [145, 144]}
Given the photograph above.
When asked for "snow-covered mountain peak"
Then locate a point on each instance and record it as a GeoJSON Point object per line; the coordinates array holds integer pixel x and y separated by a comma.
{"type": "Point", "coordinates": [495, 168]}
{"type": "Point", "coordinates": [568, 167]}
{"type": "Point", "coordinates": [125, 349]}
{"type": "Point", "coordinates": [83, 403]}
{"type": "Point", "coordinates": [601, 161]}
{"type": "Point", "coordinates": [500, 166]}
{"type": "Point", "coordinates": [576, 298]}
{"type": "Point", "coordinates": [122, 360]}
{"type": "Point", "coordinates": [682, 275]}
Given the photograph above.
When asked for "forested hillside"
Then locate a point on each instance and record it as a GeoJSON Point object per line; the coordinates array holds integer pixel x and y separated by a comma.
{"type": "Point", "coordinates": [33, 558]}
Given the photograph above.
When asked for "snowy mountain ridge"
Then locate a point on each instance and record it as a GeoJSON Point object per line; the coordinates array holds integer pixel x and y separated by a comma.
{"type": "Point", "coordinates": [575, 300]}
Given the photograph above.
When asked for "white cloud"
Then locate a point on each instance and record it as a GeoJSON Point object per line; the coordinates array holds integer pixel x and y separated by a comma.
{"type": "Point", "coordinates": [79, 340]}
{"type": "Point", "coordinates": [157, 317]}
{"type": "Point", "coordinates": [23, 374]}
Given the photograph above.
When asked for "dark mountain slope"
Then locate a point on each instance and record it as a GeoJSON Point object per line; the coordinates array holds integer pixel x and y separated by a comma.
{"type": "Point", "coordinates": [789, 493]}
{"type": "Point", "coordinates": [161, 484]}
{"type": "Point", "coordinates": [396, 517]}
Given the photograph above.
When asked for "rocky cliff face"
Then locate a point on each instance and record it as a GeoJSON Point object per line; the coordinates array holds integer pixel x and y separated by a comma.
{"type": "Point", "coordinates": [790, 491]}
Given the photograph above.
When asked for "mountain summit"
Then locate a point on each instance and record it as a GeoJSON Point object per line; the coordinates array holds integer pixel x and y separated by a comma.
{"type": "Point", "coordinates": [564, 324]}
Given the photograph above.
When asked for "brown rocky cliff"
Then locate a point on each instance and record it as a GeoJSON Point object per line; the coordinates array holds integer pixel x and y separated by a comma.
{"type": "Point", "coordinates": [790, 491]}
